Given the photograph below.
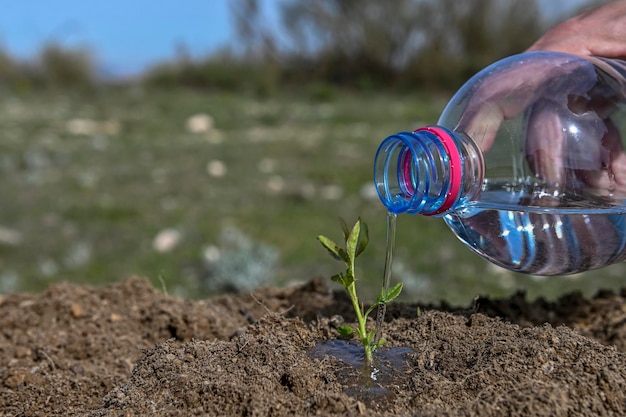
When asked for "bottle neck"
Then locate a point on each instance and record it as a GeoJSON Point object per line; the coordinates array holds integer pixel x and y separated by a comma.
{"type": "Point", "coordinates": [430, 171]}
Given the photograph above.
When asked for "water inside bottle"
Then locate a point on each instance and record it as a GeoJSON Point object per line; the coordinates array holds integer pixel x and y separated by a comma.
{"type": "Point", "coordinates": [391, 241]}
{"type": "Point", "coordinates": [568, 236]}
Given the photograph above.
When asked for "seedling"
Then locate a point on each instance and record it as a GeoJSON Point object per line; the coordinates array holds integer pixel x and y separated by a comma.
{"type": "Point", "coordinates": [357, 239]}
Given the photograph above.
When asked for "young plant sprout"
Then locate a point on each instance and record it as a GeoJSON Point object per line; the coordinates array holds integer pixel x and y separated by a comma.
{"type": "Point", "coordinates": [356, 241]}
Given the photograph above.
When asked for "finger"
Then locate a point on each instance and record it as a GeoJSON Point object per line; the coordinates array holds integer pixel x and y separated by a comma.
{"type": "Point", "coordinates": [597, 32]}
{"type": "Point", "coordinates": [613, 177]}
{"type": "Point", "coordinates": [510, 88]}
{"type": "Point", "coordinates": [545, 145]}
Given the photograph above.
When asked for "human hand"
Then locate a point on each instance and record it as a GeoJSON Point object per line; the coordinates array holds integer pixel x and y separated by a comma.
{"type": "Point", "coordinates": [595, 156]}
{"type": "Point", "coordinates": [597, 32]}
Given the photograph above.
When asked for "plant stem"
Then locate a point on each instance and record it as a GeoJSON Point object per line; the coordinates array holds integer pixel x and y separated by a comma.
{"type": "Point", "coordinates": [361, 319]}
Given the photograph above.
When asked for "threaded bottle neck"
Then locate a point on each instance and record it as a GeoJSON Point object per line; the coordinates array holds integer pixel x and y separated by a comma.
{"type": "Point", "coordinates": [429, 171]}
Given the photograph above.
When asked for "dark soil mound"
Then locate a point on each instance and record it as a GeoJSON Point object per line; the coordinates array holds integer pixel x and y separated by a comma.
{"type": "Point", "coordinates": [128, 349]}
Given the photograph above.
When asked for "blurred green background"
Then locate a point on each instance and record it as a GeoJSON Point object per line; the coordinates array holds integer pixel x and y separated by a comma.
{"type": "Point", "coordinates": [216, 173]}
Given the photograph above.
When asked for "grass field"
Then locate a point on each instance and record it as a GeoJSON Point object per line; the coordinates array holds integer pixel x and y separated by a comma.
{"type": "Point", "coordinates": [124, 182]}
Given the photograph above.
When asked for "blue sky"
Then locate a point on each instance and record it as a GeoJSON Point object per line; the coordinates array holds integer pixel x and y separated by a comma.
{"type": "Point", "coordinates": [125, 35]}
{"type": "Point", "coordinates": [128, 35]}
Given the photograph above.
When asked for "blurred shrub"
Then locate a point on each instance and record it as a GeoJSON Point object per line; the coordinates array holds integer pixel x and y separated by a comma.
{"type": "Point", "coordinates": [238, 263]}
{"type": "Point", "coordinates": [13, 74]}
{"type": "Point", "coordinates": [374, 44]}
{"type": "Point", "coordinates": [364, 44]}
{"type": "Point", "coordinates": [220, 71]}
{"type": "Point", "coordinates": [360, 44]}
{"type": "Point", "coordinates": [63, 68]}
{"type": "Point", "coordinates": [322, 92]}
{"type": "Point", "coordinates": [55, 67]}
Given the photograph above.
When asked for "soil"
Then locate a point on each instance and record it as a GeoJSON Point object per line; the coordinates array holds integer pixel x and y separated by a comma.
{"type": "Point", "coordinates": [128, 349]}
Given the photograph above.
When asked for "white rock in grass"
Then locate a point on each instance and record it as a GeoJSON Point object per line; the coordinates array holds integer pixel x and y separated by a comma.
{"type": "Point", "coordinates": [368, 191]}
{"type": "Point", "coordinates": [216, 168]}
{"type": "Point", "coordinates": [331, 192]}
{"type": "Point", "coordinates": [10, 237]}
{"type": "Point", "coordinates": [81, 126]}
{"type": "Point", "coordinates": [275, 184]}
{"type": "Point", "coordinates": [199, 123]}
{"type": "Point", "coordinates": [212, 254]}
{"type": "Point", "coordinates": [166, 240]}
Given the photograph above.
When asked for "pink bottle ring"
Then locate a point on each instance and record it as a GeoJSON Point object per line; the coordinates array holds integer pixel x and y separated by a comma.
{"type": "Point", "coordinates": [455, 166]}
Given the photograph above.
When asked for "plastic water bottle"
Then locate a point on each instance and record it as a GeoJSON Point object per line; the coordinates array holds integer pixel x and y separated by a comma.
{"type": "Point", "coordinates": [526, 164]}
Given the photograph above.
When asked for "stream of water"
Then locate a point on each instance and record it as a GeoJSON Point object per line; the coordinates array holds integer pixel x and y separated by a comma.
{"type": "Point", "coordinates": [391, 241]}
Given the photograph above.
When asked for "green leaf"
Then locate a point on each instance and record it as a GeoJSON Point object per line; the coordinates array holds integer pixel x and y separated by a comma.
{"type": "Point", "coordinates": [338, 278]}
{"type": "Point", "coordinates": [381, 342]}
{"type": "Point", "coordinates": [353, 240]}
{"type": "Point", "coordinates": [335, 250]}
{"type": "Point", "coordinates": [345, 331]}
{"type": "Point", "coordinates": [393, 293]}
{"type": "Point", "coordinates": [363, 240]}
{"type": "Point", "coordinates": [331, 246]}
{"type": "Point", "coordinates": [343, 279]}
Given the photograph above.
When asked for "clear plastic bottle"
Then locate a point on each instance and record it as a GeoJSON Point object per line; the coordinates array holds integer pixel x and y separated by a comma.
{"type": "Point", "coordinates": [526, 164]}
